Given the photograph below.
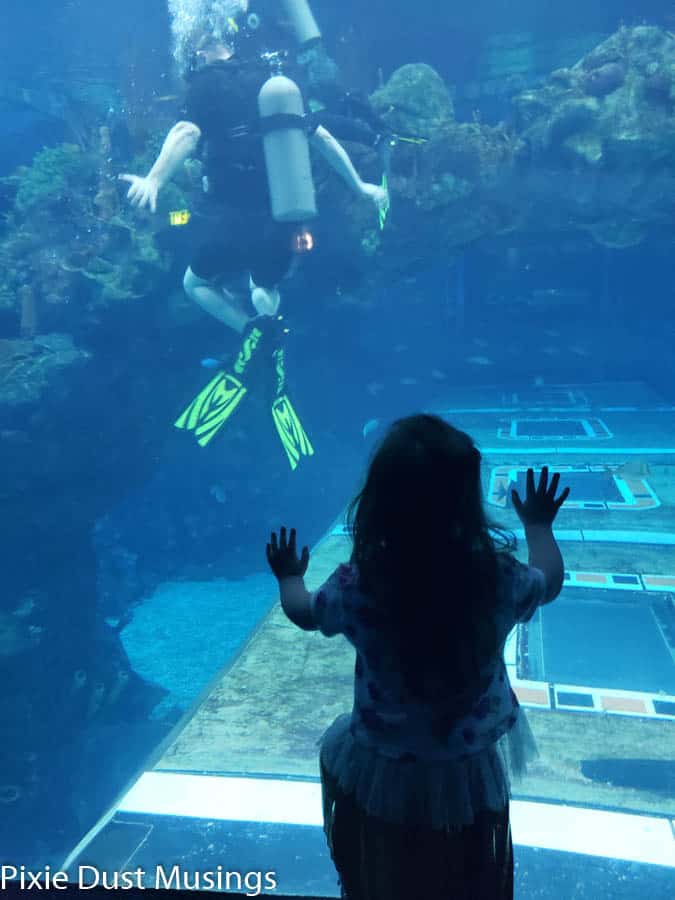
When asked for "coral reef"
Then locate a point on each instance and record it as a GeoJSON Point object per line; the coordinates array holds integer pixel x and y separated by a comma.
{"type": "Point", "coordinates": [28, 368]}
{"type": "Point", "coordinates": [604, 80]}
{"type": "Point", "coordinates": [72, 241]}
{"type": "Point", "coordinates": [592, 149]}
{"type": "Point", "coordinates": [29, 319]}
{"type": "Point", "coordinates": [612, 109]}
{"type": "Point", "coordinates": [415, 101]}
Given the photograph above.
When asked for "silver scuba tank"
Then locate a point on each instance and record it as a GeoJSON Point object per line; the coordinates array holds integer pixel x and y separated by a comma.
{"type": "Point", "coordinates": [302, 20]}
{"type": "Point", "coordinates": [289, 170]}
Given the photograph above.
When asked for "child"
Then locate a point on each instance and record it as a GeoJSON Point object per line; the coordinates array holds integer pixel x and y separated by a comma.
{"type": "Point", "coordinates": [416, 780]}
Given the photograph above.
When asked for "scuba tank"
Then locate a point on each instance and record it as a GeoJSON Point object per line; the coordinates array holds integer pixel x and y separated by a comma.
{"type": "Point", "coordinates": [303, 22]}
{"type": "Point", "coordinates": [289, 170]}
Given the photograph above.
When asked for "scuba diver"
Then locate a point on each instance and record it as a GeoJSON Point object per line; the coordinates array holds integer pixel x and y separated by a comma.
{"type": "Point", "coordinates": [346, 113]}
{"type": "Point", "coordinates": [248, 121]}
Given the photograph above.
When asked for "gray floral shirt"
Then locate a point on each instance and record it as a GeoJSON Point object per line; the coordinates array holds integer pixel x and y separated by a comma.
{"type": "Point", "coordinates": [385, 715]}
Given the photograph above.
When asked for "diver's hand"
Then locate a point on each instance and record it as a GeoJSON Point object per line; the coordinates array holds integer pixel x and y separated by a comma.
{"type": "Point", "coordinates": [283, 559]}
{"type": "Point", "coordinates": [143, 191]}
{"type": "Point", "coordinates": [376, 193]}
{"type": "Point", "coordinates": [540, 507]}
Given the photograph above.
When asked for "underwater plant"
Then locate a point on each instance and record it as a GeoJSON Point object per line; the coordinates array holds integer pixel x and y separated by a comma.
{"type": "Point", "coordinates": [56, 174]}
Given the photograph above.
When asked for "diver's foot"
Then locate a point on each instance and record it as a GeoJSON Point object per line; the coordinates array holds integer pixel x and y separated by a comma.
{"type": "Point", "coordinates": [265, 300]}
{"type": "Point", "coordinates": [273, 330]}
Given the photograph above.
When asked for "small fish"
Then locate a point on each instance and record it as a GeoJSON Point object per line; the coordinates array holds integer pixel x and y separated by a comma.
{"type": "Point", "coordinates": [580, 351]}
{"type": "Point", "coordinates": [370, 426]}
{"type": "Point", "coordinates": [408, 381]}
{"type": "Point", "coordinates": [480, 343]}
{"type": "Point", "coordinates": [557, 296]}
{"type": "Point", "coordinates": [26, 607]}
{"type": "Point", "coordinates": [479, 361]}
{"type": "Point", "coordinates": [374, 388]}
{"type": "Point", "coordinates": [210, 363]}
{"type": "Point", "coordinates": [438, 375]}
{"type": "Point", "coordinates": [551, 332]}
{"type": "Point", "coordinates": [538, 380]}
{"type": "Point", "coordinates": [551, 351]}
{"type": "Point", "coordinates": [400, 348]}
{"type": "Point", "coordinates": [16, 637]}
{"type": "Point", "coordinates": [218, 493]}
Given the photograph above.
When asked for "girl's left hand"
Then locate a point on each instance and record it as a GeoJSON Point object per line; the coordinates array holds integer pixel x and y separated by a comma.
{"type": "Point", "coordinates": [283, 559]}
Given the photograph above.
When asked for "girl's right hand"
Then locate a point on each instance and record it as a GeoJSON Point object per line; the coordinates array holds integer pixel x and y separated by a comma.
{"type": "Point", "coordinates": [540, 506]}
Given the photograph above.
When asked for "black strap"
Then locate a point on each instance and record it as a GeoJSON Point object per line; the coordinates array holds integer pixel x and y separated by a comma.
{"type": "Point", "coordinates": [309, 45]}
{"type": "Point", "coordinates": [281, 120]}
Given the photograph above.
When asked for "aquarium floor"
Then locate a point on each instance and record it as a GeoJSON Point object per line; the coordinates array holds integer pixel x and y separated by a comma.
{"type": "Point", "coordinates": [255, 720]}
{"type": "Point", "coordinates": [262, 716]}
{"type": "Point", "coordinates": [299, 858]}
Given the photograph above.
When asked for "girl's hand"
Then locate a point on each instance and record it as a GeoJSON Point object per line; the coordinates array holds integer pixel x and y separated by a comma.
{"type": "Point", "coordinates": [540, 506]}
{"type": "Point", "coordinates": [283, 559]}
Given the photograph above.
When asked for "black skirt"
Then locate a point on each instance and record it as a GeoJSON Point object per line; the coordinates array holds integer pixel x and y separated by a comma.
{"type": "Point", "coordinates": [378, 860]}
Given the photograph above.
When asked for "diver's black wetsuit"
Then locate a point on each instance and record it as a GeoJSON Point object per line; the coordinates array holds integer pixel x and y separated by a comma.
{"type": "Point", "coordinates": [222, 101]}
{"type": "Point", "coordinates": [349, 116]}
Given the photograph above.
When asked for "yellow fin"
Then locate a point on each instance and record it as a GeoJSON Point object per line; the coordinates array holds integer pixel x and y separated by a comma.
{"type": "Point", "coordinates": [212, 407]}
{"type": "Point", "coordinates": [291, 433]}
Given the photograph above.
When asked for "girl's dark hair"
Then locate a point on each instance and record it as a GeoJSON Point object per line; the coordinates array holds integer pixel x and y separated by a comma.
{"type": "Point", "coordinates": [425, 555]}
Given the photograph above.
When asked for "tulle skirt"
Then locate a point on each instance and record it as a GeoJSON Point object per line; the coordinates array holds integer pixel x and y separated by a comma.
{"type": "Point", "coordinates": [445, 794]}
{"type": "Point", "coordinates": [378, 860]}
{"type": "Point", "coordinates": [398, 830]}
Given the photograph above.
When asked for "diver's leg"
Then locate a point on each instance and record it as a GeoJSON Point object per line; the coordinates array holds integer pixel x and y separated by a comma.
{"type": "Point", "coordinates": [221, 304]}
{"type": "Point", "coordinates": [215, 263]}
{"type": "Point", "coordinates": [265, 300]}
{"type": "Point", "coordinates": [358, 106]}
{"type": "Point", "coordinates": [270, 264]}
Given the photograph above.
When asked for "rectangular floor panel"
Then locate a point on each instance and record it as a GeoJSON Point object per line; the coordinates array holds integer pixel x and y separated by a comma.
{"type": "Point", "coordinates": [641, 436]}
{"type": "Point", "coordinates": [298, 857]}
{"type": "Point", "coordinates": [605, 639]}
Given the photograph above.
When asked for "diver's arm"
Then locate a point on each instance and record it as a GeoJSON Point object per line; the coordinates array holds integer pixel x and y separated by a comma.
{"type": "Point", "coordinates": [178, 145]}
{"type": "Point", "coordinates": [338, 158]}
